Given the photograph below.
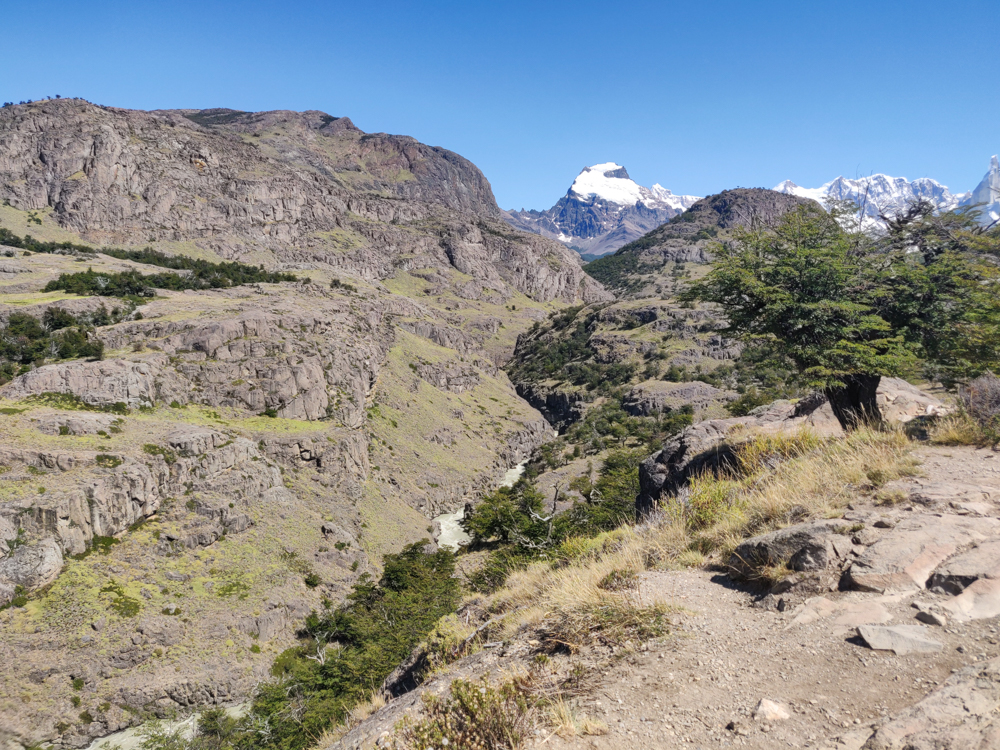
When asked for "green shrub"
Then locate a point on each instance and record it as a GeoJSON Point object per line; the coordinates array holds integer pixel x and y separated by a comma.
{"type": "Point", "coordinates": [156, 450]}
{"type": "Point", "coordinates": [107, 461]}
{"type": "Point", "coordinates": [474, 715]}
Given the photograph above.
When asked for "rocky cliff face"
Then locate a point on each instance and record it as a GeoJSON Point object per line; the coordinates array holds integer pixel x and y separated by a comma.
{"type": "Point", "coordinates": [170, 513]}
{"type": "Point", "coordinates": [278, 186]}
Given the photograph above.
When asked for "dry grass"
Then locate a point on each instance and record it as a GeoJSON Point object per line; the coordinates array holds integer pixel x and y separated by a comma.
{"type": "Point", "coordinates": [960, 429]}
{"type": "Point", "coordinates": [815, 482]}
{"type": "Point", "coordinates": [780, 480]}
{"type": "Point", "coordinates": [567, 723]}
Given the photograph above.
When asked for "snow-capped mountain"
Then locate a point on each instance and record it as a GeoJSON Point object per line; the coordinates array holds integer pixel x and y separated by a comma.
{"type": "Point", "coordinates": [603, 210]}
{"type": "Point", "coordinates": [881, 194]}
{"type": "Point", "coordinates": [987, 194]}
{"type": "Point", "coordinates": [877, 194]}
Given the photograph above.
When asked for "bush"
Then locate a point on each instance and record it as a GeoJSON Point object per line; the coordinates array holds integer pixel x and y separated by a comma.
{"type": "Point", "coordinates": [155, 450]}
{"type": "Point", "coordinates": [475, 715]}
{"type": "Point", "coordinates": [981, 400]}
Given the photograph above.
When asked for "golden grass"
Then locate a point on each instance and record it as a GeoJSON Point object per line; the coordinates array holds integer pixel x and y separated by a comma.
{"type": "Point", "coordinates": [780, 480]}
{"type": "Point", "coordinates": [960, 429]}
{"type": "Point", "coordinates": [774, 489]}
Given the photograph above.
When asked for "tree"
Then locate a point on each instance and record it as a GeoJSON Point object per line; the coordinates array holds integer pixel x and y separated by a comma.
{"type": "Point", "coordinates": [846, 308]}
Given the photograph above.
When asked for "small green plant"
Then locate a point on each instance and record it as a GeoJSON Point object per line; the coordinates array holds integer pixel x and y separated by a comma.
{"type": "Point", "coordinates": [254, 648]}
{"type": "Point", "coordinates": [78, 684]}
{"type": "Point", "coordinates": [175, 404]}
{"type": "Point", "coordinates": [75, 700]}
{"type": "Point", "coordinates": [156, 450]}
{"type": "Point", "coordinates": [270, 412]}
{"type": "Point", "coordinates": [121, 603]}
{"type": "Point", "coordinates": [313, 580]}
{"type": "Point", "coordinates": [86, 718]}
{"type": "Point", "coordinates": [63, 430]}
{"type": "Point", "coordinates": [106, 461]}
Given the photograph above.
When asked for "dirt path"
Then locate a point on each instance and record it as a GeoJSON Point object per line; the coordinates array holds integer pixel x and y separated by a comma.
{"type": "Point", "coordinates": [701, 687]}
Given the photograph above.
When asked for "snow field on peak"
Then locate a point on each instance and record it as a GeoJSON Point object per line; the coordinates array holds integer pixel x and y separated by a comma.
{"type": "Point", "coordinates": [593, 182]}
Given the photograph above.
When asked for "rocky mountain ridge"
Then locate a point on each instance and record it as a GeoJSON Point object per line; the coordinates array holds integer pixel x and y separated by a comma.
{"type": "Point", "coordinates": [602, 210]}
{"type": "Point", "coordinates": [880, 194]}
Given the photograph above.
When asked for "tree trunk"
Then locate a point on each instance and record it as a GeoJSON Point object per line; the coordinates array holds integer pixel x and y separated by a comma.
{"type": "Point", "coordinates": [855, 404]}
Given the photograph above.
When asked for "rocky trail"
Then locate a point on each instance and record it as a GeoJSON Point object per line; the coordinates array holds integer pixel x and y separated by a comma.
{"type": "Point", "coordinates": [791, 670]}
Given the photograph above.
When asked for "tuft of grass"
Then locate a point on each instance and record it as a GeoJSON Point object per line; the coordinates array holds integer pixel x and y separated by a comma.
{"type": "Point", "coordinates": [567, 723]}
{"type": "Point", "coordinates": [961, 429]}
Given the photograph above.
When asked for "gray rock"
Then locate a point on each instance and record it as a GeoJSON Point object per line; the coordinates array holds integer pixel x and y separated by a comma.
{"type": "Point", "coordinates": [97, 383]}
{"type": "Point", "coordinates": [805, 547]}
{"type": "Point", "coordinates": [959, 715]}
{"type": "Point", "coordinates": [900, 639]}
{"type": "Point", "coordinates": [961, 571]}
{"type": "Point", "coordinates": [905, 557]}
{"type": "Point", "coordinates": [31, 567]}
{"type": "Point", "coordinates": [932, 618]}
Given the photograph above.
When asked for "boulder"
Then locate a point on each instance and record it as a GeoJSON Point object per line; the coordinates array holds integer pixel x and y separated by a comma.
{"type": "Point", "coordinates": [901, 402]}
{"type": "Point", "coordinates": [805, 547]}
{"type": "Point", "coordinates": [30, 567]}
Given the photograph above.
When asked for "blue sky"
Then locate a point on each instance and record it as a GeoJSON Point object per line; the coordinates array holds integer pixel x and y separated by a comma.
{"type": "Point", "coordinates": [699, 96]}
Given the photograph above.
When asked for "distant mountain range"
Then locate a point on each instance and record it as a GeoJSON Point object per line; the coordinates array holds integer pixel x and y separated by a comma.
{"type": "Point", "coordinates": [880, 194]}
{"type": "Point", "coordinates": [603, 210]}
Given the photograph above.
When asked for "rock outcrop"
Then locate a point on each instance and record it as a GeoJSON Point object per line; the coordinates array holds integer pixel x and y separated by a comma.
{"type": "Point", "coordinates": [707, 445]}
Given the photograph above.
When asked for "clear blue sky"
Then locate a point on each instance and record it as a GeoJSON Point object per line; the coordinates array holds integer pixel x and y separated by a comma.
{"type": "Point", "coordinates": [698, 96]}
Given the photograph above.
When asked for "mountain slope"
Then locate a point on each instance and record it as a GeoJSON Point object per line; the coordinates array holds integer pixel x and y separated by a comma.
{"type": "Point", "coordinates": [603, 210]}
{"type": "Point", "coordinates": [170, 512]}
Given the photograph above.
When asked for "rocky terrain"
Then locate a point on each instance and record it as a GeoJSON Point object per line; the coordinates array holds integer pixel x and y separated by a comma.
{"type": "Point", "coordinates": [662, 353]}
{"type": "Point", "coordinates": [880, 633]}
{"type": "Point", "coordinates": [170, 512]}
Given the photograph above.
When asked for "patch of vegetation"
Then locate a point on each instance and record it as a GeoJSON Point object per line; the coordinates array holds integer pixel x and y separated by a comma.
{"type": "Point", "coordinates": [512, 523]}
{"type": "Point", "coordinates": [200, 274]}
{"type": "Point", "coordinates": [106, 461]}
{"type": "Point", "coordinates": [158, 450]}
{"type": "Point", "coordinates": [474, 715]}
{"type": "Point", "coordinates": [26, 341]}
{"type": "Point", "coordinates": [121, 603]}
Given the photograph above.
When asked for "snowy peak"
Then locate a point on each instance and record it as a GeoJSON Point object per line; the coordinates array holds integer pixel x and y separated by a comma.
{"type": "Point", "coordinates": [986, 196]}
{"type": "Point", "coordinates": [603, 209]}
{"type": "Point", "coordinates": [610, 182]}
{"type": "Point", "coordinates": [876, 194]}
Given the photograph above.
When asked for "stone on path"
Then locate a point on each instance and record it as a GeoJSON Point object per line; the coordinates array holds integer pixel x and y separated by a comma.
{"type": "Point", "coordinates": [770, 711]}
{"type": "Point", "coordinates": [900, 639]}
{"type": "Point", "coordinates": [932, 618]}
